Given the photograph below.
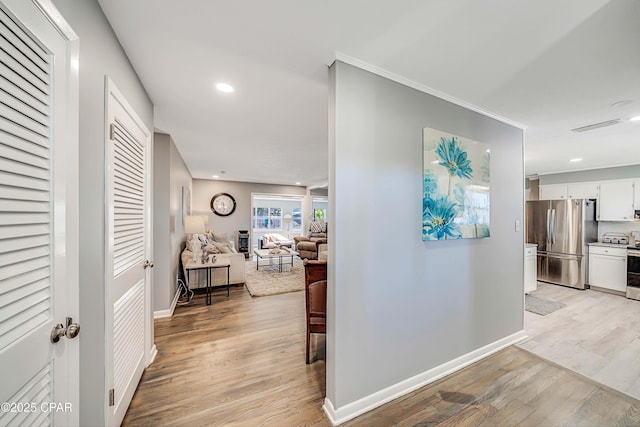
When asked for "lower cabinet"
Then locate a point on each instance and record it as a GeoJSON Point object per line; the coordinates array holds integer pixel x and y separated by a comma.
{"type": "Point", "coordinates": [530, 266]}
{"type": "Point", "coordinates": [608, 268]}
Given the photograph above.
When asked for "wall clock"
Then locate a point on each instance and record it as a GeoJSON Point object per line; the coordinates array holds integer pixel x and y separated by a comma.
{"type": "Point", "coordinates": [223, 204]}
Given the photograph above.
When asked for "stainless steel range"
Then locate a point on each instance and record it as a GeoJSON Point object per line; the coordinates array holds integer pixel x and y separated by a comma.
{"type": "Point", "coordinates": [633, 272]}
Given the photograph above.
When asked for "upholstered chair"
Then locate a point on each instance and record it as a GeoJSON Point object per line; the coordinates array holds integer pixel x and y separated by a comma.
{"type": "Point", "coordinates": [307, 246]}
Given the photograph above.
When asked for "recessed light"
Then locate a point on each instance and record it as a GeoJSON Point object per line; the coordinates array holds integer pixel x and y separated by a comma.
{"type": "Point", "coordinates": [224, 87]}
{"type": "Point", "coordinates": [297, 183]}
{"type": "Point", "coordinates": [575, 160]}
{"type": "Point", "coordinates": [635, 119]}
{"type": "Point", "coordinates": [215, 177]}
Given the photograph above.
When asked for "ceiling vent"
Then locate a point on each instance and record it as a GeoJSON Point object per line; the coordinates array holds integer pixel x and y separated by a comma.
{"type": "Point", "coordinates": [596, 125]}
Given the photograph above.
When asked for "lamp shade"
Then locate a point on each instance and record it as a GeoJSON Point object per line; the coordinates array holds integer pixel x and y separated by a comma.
{"type": "Point", "coordinates": [193, 224]}
{"type": "Point", "coordinates": [287, 218]}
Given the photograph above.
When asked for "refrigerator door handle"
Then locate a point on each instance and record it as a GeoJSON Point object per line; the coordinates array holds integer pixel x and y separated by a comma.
{"type": "Point", "coordinates": [553, 226]}
{"type": "Point", "coordinates": [548, 225]}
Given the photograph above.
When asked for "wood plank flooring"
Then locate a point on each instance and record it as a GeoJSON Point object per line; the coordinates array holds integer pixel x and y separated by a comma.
{"type": "Point", "coordinates": [597, 335]}
{"type": "Point", "coordinates": [240, 362]}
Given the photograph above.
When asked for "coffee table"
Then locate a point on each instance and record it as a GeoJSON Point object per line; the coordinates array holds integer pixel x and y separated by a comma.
{"type": "Point", "coordinates": [274, 259]}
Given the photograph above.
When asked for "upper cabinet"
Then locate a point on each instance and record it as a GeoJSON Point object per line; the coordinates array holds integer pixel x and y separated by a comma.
{"type": "Point", "coordinates": [616, 201]}
{"type": "Point", "coordinates": [580, 190]}
{"type": "Point", "coordinates": [553, 192]}
{"type": "Point", "coordinates": [583, 190]}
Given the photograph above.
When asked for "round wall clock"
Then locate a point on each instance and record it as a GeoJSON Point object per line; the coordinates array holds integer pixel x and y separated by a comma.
{"type": "Point", "coordinates": [223, 204]}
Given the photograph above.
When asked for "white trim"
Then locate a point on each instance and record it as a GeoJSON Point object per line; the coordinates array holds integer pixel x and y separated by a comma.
{"type": "Point", "coordinates": [372, 401]}
{"type": "Point", "coordinates": [422, 88]}
{"type": "Point", "coordinates": [152, 355]}
{"type": "Point", "coordinates": [57, 20]}
{"type": "Point", "coordinates": [168, 312]}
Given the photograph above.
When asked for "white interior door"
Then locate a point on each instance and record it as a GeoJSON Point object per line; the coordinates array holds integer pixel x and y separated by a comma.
{"type": "Point", "coordinates": [128, 252]}
{"type": "Point", "coordinates": [38, 214]}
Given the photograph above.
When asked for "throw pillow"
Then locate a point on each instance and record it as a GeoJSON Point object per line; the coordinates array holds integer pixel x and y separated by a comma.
{"type": "Point", "coordinates": [220, 237]}
{"type": "Point", "coordinates": [189, 245]}
{"type": "Point", "coordinates": [317, 227]}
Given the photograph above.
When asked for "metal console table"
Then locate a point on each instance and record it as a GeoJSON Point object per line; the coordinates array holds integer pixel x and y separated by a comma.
{"type": "Point", "coordinates": [209, 267]}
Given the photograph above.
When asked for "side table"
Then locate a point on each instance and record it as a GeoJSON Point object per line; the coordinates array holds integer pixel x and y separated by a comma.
{"type": "Point", "coordinates": [209, 267]}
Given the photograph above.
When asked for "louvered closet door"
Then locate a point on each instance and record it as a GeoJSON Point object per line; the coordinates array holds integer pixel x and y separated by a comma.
{"type": "Point", "coordinates": [128, 228]}
{"type": "Point", "coordinates": [38, 218]}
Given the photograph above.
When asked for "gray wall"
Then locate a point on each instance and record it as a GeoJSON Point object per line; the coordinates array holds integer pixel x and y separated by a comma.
{"type": "Point", "coordinates": [204, 190]}
{"type": "Point", "coordinates": [170, 175]}
{"type": "Point", "coordinates": [100, 55]}
{"type": "Point", "coordinates": [622, 172]}
{"type": "Point", "coordinates": [399, 306]}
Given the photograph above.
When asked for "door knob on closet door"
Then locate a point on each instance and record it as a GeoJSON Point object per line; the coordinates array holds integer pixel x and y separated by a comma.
{"type": "Point", "coordinates": [148, 264]}
{"type": "Point", "coordinates": [70, 331]}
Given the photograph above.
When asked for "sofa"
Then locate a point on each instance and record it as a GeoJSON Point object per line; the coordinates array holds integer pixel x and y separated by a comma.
{"type": "Point", "coordinates": [307, 246]}
{"type": "Point", "coordinates": [224, 251]}
{"type": "Point", "coordinates": [269, 241]}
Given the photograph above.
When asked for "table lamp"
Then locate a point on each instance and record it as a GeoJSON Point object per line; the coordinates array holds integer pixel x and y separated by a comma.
{"type": "Point", "coordinates": [194, 225]}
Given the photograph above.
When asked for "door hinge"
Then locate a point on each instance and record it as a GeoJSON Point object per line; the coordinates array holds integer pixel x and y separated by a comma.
{"type": "Point", "coordinates": [112, 399]}
{"type": "Point", "coordinates": [112, 131]}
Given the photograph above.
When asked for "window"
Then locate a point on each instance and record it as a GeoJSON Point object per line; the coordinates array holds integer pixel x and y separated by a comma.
{"type": "Point", "coordinates": [267, 218]}
{"type": "Point", "coordinates": [296, 223]}
{"type": "Point", "coordinates": [320, 206]}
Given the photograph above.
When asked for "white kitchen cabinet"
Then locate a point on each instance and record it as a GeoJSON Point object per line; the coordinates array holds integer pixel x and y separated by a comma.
{"type": "Point", "coordinates": [636, 194]}
{"type": "Point", "coordinates": [608, 268]}
{"type": "Point", "coordinates": [530, 267]}
{"type": "Point", "coordinates": [582, 190]}
{"type": "Point", "coordinates": [616, 201]}
{"type": "Point", "coordinates": [553, 192]}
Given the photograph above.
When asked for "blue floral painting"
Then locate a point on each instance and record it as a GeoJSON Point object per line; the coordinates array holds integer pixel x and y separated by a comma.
{"type": "Point", "coordinates": [456, 184]}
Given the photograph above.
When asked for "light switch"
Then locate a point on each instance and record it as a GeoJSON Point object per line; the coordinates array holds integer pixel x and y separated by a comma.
{"type": "Point", "coordinates": [517, 225]}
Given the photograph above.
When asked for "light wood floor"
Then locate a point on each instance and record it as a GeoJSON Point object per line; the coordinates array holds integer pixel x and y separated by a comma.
{"type": "Point", "coordinates": [241, 362]}
{"type": "Point", "coordinates": [597, 335]}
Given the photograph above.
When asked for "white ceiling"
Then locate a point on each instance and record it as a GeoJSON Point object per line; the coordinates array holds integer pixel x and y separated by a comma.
{"type": "Point", "coordinates": [552, 66]}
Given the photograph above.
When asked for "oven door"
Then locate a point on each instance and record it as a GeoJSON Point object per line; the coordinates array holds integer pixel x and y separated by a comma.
{"type": "Point", "coordinates": [633, 268]}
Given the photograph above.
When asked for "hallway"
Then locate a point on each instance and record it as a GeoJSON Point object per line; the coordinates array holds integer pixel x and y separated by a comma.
{"type": "Point", "coordinates": [239, 361]}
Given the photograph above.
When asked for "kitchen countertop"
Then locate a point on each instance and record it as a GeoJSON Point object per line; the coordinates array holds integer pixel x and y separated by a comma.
{"type": "Point", "coordinates": [611, 245]}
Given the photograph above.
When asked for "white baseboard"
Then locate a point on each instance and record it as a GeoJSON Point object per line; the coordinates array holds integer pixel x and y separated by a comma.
{"type": "Point", "coordinates": [152, 355]}
{"type": "Point", "coordinates": [372, 401]}
{"type": "Point", "coordinates": [169, 312]}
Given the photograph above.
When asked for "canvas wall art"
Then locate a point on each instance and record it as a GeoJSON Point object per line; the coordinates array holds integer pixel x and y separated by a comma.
{"type": "Point", "coordinates": [456, 187]}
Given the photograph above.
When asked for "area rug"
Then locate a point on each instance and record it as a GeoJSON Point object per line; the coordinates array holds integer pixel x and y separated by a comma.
{"type": "Point", "coordinates": [541, 306]}
{"type": "Point", "coordinates": [270, 281]}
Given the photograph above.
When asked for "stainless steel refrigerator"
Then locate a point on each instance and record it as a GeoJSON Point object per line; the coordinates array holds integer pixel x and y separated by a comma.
{"type": "Point", "coordinates": [561, 229]}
